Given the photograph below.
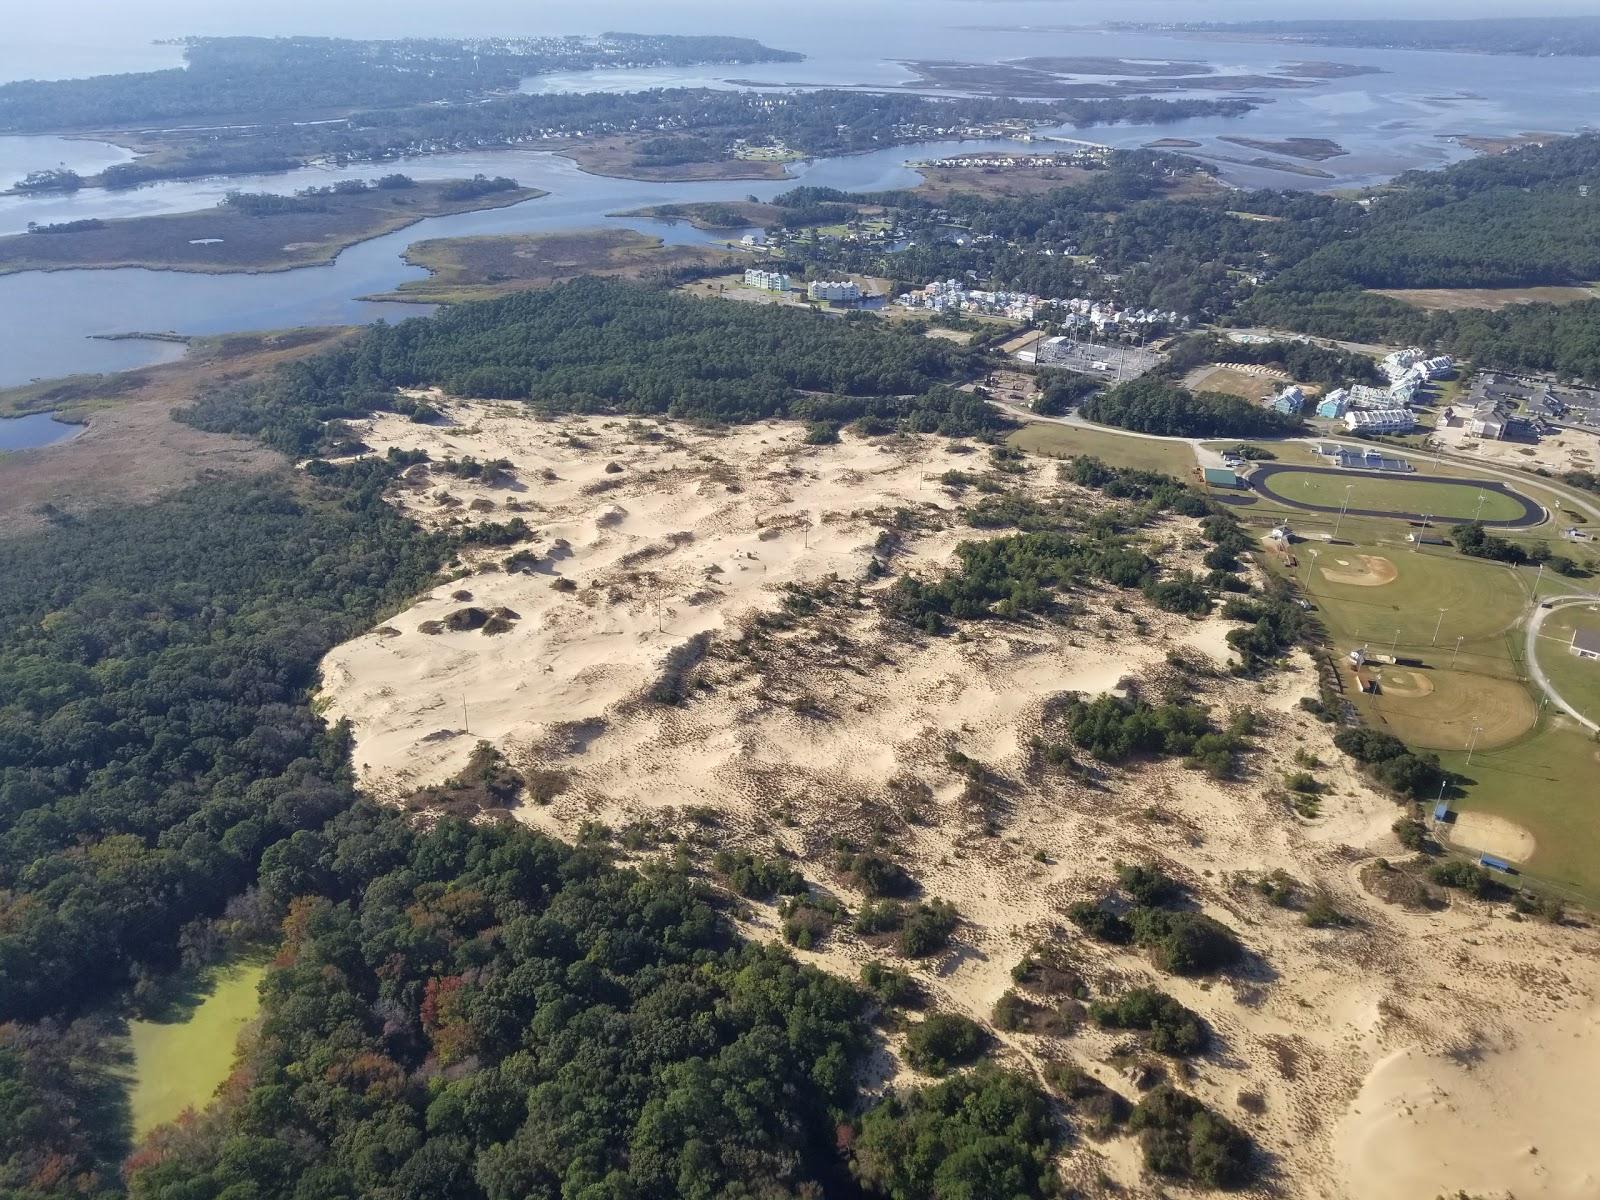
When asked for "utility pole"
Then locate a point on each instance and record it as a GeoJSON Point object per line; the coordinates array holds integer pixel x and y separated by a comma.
{"type": "Point", "coordinates": [1394, 643]}
{"type": "Point", "coordinates": [1479, 512]}
{"type": "Point", "coordinates": [465, 724]}
{"type": "Point", "coordinates": [1439, 626]}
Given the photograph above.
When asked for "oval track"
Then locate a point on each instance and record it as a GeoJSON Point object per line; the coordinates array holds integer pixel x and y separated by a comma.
{"type": "Point", "coordinates": [1532, 514]}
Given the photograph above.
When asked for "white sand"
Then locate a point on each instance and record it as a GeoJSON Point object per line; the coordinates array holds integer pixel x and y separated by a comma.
{"type": "Point", "coordinates": [1517, 1122]}
{"type": "Point", "coordinates": [841, 726]}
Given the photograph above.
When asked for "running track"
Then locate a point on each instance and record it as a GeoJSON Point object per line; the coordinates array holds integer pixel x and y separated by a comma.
{"type": "Point", "coordinates": [1259, 479]}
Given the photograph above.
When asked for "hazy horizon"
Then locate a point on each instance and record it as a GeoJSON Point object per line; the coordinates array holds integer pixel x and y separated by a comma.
{"type": "Point", "coordinates": [80, 37]}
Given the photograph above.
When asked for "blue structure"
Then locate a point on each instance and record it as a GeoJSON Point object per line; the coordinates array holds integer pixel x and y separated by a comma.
{"type": "Point", "coordinates": [1496, 864]}
{"type": "Point", "coordinates": [1441, 811]}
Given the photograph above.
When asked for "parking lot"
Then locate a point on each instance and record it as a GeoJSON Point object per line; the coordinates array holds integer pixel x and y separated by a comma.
{"type": "Point", "coordinates": [1101, 361]}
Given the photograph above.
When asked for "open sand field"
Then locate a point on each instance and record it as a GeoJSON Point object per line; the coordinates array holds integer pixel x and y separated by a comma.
{"type": "Point", "coordinates": [804, 717]}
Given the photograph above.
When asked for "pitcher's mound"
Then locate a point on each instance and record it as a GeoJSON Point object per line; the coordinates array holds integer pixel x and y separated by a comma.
{"type": "Point", "coordinates": [1361, 570]}
{"type": "Point", "coordinates": [1409, 684]}
{"type": "Point", "coordinates": [1489, 834]}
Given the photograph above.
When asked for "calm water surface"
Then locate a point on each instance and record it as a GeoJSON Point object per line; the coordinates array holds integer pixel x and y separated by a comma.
{"type": "Point", "coordinates": [1388, 122]}
{"type": "Point", "coordinates": [31, 432]}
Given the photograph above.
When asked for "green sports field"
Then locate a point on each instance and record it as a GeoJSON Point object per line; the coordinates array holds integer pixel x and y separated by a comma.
{"type": "Point", "coordinates": [1577, 679]}
{"type": "Point", "coordinates": [1482, 600]}
{"type": "Point", "coordinates": [1545, 783]}
{"type": "Point", "coordinates": [1402, 494]}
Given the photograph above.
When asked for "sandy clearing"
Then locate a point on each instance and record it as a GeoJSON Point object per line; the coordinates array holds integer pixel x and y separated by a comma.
{"type": "Point", "coordinates": [1427, 1125]}
{"type": "Point", "coordinates": [1491, 834]}
{"type": "Point", "coordinates": [829, 726]}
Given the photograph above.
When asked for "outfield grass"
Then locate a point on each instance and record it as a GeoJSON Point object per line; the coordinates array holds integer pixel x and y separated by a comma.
{"type": "Point", "coordinates": [1399, 495]}
{"type": "Point", "coordinates": [1577, 679]}
{"type": "Point", "coordinates": [1546, 783]}
{"type": "Point", "coordinates": [180, 1064]}
{"type": "Point", "coordinates": [1483, 600]}
{"type": "Point", "coordinates": [1066, 441]}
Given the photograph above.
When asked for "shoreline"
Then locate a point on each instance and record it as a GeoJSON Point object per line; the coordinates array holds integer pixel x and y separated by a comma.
{"type": "Point", "coordinates": [333, 249]}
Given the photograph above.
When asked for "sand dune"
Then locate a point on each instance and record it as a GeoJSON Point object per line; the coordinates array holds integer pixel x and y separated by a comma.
{"type": "Point", "coordinates": [808, 720]}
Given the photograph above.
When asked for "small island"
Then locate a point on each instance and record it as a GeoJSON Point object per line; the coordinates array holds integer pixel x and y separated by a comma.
{"type": "Point", "coordinates": [256, 231]}
{"type": "Point", "coordinates": [480, 268]}
{"type": "Point", "coordinates": [1309, 148]}
{"type": "Point", "coordinates": [668, 158]}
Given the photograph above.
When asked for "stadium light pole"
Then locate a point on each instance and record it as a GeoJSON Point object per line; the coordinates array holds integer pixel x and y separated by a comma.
{"type": "Point", "coordinates": [1536, 580]}
{"type": "Point", "coordinates": [1439, 626]}
{"type": "Point", "coordinates": [1457, 651]}
{"type": "Point", "coordinates": [1473, 744]}
{"type": "Point", "coordinates": [1343, 508]}
{"type": "Point", "coordinates": [1479, 512]}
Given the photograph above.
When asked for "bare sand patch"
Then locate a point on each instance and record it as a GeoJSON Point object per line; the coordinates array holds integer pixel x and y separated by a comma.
{"type": "Point", "coordinates": [805, 718]}
{"type": "Point", "coordinates": [1481, 1122]}
{"type": "Point", "coordinates": [1365, 570]}
{"type": "Point", "coordinates": [1491, 834]}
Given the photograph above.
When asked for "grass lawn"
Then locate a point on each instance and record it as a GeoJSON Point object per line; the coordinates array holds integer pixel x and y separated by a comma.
{"type": "Point", "coordinates": [1398, 495]}
{"type": "Point", "coordinates": [1483, 600]}
{"type": "Point", "coordinates": [1577, 679]}
{"type": "Point", "coordinates": [1546, 783]}
{"type": "Point", "coordinates": [180, 1064]}
{"type": "Point", "coordinates": [1065, 441]}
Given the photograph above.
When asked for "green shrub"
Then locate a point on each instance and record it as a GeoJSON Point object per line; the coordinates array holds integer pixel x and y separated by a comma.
{"type": "Point", "coordinates": [757, 878]}
{"type": "Point", "coordinates": [942, 1042]}
{"type": "Point", "coordinates": [1099, 924]}
{"type": "Point", "coordinates": [874, 874]}
{"type": "Point", "coordinates": [1148, 885]}
{"type": "Point", "coordinates": [927, 928]}
{"type": "Point", "coordinates": [984, 1135]}
{"type": "Point", "coordinates": [1100, 1110]}
{"type": "Point", "coordinates": [1185, 943]}
{"type": "Point", "coordinates": [1183, 1139]}
{"type": "Point", "coordinates": [885, 916]}
{"type": "Point", "coordinates": [1458, 873]}
{"type": "Point", "coordinates": [890, 985]}
{"type": "Point", "coordinates": [1173, 1029]}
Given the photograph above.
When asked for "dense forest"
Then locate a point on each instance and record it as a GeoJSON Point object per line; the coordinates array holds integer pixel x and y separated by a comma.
{"type": "Point", "coordinates": [596, 345]}
{"type": "Point", "coordinates": [1155, 405]}
{"type": "Point", "coordinates": [154, 738]}
{"type": "Point", "coordinates": [267, 79]}
{"type": "Point", "coordinates": [823, 122]}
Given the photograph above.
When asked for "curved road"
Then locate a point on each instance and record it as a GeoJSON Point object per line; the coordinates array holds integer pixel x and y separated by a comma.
{"type": "Point", "coordinates": [1536, 673]}
{"type": "Point", "coordinates": [1532, 514]}
{"type": "Point", "coordinates": [1570, 498]}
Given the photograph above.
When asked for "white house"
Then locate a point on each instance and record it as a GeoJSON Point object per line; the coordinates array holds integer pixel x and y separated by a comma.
{"type": "Point", "coordinates": [1379, 420]}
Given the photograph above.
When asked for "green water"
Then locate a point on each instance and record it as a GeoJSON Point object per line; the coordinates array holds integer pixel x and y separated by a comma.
{"type": "Point", "coordinates": [180, 1064]}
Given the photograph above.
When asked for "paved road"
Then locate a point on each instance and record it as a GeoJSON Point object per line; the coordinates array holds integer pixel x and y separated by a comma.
{"type": "Point", "coordinates": [1532, 514]}
{"type": "Point", "coordinates": [1530, 653]}
{"type": "Point", "coordinates": [1569, 497]}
